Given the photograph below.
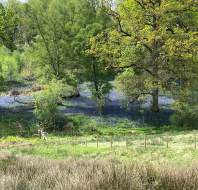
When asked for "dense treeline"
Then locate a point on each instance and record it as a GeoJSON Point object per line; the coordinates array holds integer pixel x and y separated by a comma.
{"type": "Point", "coordinates": [146, 46]}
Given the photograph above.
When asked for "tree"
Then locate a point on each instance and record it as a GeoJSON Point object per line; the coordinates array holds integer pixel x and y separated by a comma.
{"type": "Point", "coordinates": [9, 59]}
{"type": "Point", "coordinates": [92, 69]}
{"type": "Point", "coordinates": [8, 26]}
{"type": "Point", "coordinates": [10, 64]}
{"type": "Point", "coordinates": [52, 44]}
{"type": "Point", "coordinates": [152, 46]}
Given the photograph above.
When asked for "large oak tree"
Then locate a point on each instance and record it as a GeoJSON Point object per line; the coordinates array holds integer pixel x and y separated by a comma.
{"type": "Point", "coordinates": [152, 46]}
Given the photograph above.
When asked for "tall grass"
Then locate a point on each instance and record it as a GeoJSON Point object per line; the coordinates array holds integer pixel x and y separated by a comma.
{"type": "Point", "coordinates": [28, 173]}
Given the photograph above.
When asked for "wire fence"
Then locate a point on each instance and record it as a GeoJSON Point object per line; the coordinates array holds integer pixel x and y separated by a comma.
{"type": "Point", "coordinates": [180, 141]}
{"type": "Point", "coordinates": [145, 141]}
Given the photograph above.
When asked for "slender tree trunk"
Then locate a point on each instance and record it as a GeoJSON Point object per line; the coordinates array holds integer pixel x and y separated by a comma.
{"type": "Point", "coordinates": [96, 85]}
{"type": "Point", "coordinates": [155, 100]}
{"type": "Point", "coordinates": [95, 80]}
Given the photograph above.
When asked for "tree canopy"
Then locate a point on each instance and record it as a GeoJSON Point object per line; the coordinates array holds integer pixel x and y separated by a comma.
{"type": "Point", "coordinates": [146, 46]}
{"type": "Point", "coordinates": [153, 46]}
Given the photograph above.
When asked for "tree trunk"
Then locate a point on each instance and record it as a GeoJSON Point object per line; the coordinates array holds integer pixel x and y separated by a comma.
{"type": "Point", "coordinates": [155, 101]}
{"type": "Point", "coordinates": [95, 80]}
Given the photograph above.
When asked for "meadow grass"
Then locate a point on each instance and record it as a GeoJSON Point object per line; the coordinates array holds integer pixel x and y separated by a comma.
{"type": "Point", "coordinates": [124, 140]}
{"type": "Point", "coordinates": [180, 150]}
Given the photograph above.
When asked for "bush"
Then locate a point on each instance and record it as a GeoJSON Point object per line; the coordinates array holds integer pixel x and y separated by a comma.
{"type": "Point", "coordinates": [91, 130]}
{"type": "Point", "coordinates": [60, 122]}
{"type": "Point", "coordinates": [46, 103]}
{"type": "Point", "coordinates": [185, 116]}
{"type": "Point", "coordinates": [90, 127]}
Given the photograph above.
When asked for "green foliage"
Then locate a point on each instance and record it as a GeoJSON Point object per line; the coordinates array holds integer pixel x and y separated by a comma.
{"type": "Point", "coordinates": [185, 117]}
{"type": "Point", "coordinates": [186, 107]}
{"type": "Point", "coordinates": [155, 40]}
{"type": "Point", "coordinates": [94, 70]}
{"type": "Point", "coordinates": [151, 47]}
{"type": "Point", "coordinates": [10, 64]}
{"type": "Point", "coordinates": [56, 26]}
{"type": "Point", "coordinates": [91, 128]}
{"type": "Point", "coordinates": [46, 103]}
{"type": "Point", "coordinates": [8, 26]}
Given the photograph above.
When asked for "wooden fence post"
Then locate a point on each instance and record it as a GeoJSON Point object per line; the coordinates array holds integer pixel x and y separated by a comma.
{"type": "Point", "coordinates": [97, 142]}
{"type": "Point", "coordinates": [86, 141]}
{"type": "Point", "coordinates": [167, 145]}
{"type": "Point", "coordinates": [126, 141]}
{"type": "Point", "coordinates": [111, 141]}
{"type": "Point", "coordinates": [195, 139]}
{"type": "Point", "coordinates": [145, 142]}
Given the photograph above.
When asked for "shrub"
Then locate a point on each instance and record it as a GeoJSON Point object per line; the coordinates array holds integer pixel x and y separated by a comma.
{"type": "Point", "coordinates": [60, 122]}
{"type": "Point", "coordinates": [91, 127]}
{"type": "Point", "coordinates": [46, 103]}
{"type": "Point", "coordinates": [185, 116]}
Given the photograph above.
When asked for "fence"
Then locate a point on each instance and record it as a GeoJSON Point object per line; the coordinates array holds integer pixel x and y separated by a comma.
{"type": "Point", "coordinates": [137, 141]}
{"type": "Point", "coordinates": [145, 141]}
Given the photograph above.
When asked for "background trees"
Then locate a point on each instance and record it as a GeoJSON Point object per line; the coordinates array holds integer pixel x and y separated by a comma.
{"type": "Point", "coordinates": [52, 44]}
{"type": "Point", "coordinates": [11, 64]}
{"type": "Point", "coordinates": [148, 46]}
{"type": "Point", "coordinates": [8, 26]}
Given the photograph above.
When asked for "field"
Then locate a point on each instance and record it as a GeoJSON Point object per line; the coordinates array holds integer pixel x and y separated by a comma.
{"type": "Point", "coordinates": [91, 140]}
{"type": "Point", "coordinates": [96, 154]}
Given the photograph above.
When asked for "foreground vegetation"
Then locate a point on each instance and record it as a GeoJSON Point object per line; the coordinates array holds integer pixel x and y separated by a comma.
{"type": "Point", "coordinates": [18, 173]}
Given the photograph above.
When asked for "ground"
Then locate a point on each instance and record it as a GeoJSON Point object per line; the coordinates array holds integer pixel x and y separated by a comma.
{"type": "Point", "coordinates": [141, 151]}
{"type": "Point", "coordinates": [124, 141]}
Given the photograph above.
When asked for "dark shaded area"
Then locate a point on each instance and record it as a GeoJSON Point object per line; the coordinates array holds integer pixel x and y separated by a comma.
{"type": "Point", "coordinates": [6, 86]}
{"type": "Point", "coordinates": [16, 122]}
{"type": "Point", "coordinates": [115, 109]}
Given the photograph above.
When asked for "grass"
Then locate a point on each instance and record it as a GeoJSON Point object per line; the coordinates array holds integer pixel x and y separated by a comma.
{"type": "Point", "coordinates": [128, 141]}
{"type": "Point", "coordinates": [27, 172]}
{"type": "Point", "coordinates": [180, 151]}
{"type": "Point", "coordinates": [97, 154]}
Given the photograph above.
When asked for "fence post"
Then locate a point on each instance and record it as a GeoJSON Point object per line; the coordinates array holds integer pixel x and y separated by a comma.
{"type": "Point", "coordinates": [145, 142]}
{"type": "Point", "coordinates": [167, 142]}
{"type": "Point", "coordinates": [195, 141]}
{"type": "Point", "coordinates": [86, 141]}
{"type": "Point", "coordinates": [97, 141]}
{"type": "Point", "coordinates": [126, 141]}
{"type": "Point", "coordinates": [111, 141]}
